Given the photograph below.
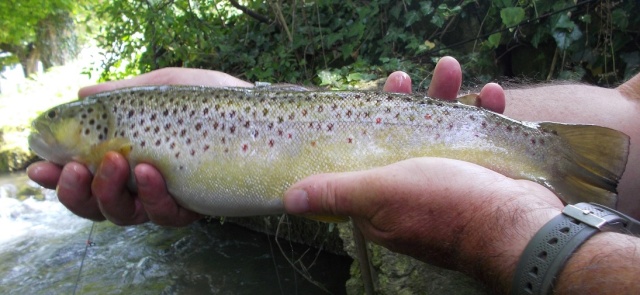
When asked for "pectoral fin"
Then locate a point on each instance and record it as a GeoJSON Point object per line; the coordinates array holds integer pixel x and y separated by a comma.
{"type": "Point", "coordinates": [98, 151]}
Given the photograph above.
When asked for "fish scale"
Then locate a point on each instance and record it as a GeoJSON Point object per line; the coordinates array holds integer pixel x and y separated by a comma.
{"type": "Point", "coordinates": [234, 151]}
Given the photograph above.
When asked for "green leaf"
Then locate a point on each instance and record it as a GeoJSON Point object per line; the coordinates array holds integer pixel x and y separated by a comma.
{"type": "Point", "coordinates": [620, 19]}
{"type": "Point", "coordinates": [564, 22]}
{"type": "Point", "coordinates": [410, 18]}
{"type": "Point", "coordinates": [426, 8]}
{"type": "Point", "coordinates": [494, 40]}
{"type": "Point", "coordinates": [512, 16]}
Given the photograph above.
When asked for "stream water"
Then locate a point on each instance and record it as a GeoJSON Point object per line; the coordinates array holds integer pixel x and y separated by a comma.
{"type": "Point", "coordinates": [42, 247]}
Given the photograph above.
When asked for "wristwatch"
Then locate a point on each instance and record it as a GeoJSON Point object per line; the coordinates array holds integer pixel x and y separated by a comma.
{"type": "Point", "coordinates": [550, 248]}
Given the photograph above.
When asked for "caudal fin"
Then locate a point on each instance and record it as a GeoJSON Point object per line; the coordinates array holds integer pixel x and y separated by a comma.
{"type": "Point", "coordinates": [600, 157]}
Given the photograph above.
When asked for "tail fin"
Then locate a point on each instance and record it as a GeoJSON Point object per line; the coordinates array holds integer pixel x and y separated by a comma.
{"type": "Point", "coordinates": [600, 157]}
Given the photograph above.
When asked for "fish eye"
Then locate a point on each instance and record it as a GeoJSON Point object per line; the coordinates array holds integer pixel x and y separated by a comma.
{"type": "Point", "coordinates": [52, 114]}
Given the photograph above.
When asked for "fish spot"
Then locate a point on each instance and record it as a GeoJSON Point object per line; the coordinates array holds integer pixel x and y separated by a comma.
{"type": "Point", "coordinates": [52, 115]}
{"type": "Point", "coordinates": [533, 141]}
{"type": "Point", "coordinates": [153, 117]}
{"type": "Point", "coordinates": [172, 145]}
{"type": "Point", "coordinates": [156, 129]}
{"type": "Point", "coordinates": [349, 140]}
{"type": "Point", "coordinates": [206, 148]}
{"type": "Point", "coordinates": [90, 110]}
{"type": "Point", "coordinates": [427, 117]}
{"type": "Point", "coordinates": [206, 111]}
{"type": "Point", "coordinates": [509, 128]}
{"type": "Point", "coordinates": [188, 140]}
{"type": "Point", "coordinates": [177, 155]}
{"type": "Point", "coordinates": [165, 112]}
{"type": "Point", "coordinates": [143, 143]}
{"type": "Point", "coordinates": [104, 116]}
{"type": "Point", "coordinates": [271, 143]}
{"type": "Point", "coordinates": [183, 132]}
{"type": "Point", "coordinates": [245, 147]}
{"type": "Point", "coordinates": [135, 134]}
{"type": "Point", "coordinates": [193, 152]}
{"type": "Point", "coordinates": [158, 142]}
{"type": "Point", "coordinates": [131, 113]}
{"type": "Point", "coordinates": [232, 129]}
{"type": "Point", "coordinates": [198, 126]}
{"type": "Point", "coordinates": [167, 126]}
{"type": "Point", "coordinates": [247, 124]}
{"type": "Point", "coordinates": [92, 121]}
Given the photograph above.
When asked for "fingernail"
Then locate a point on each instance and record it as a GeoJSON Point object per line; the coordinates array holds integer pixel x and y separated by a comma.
{"type": "Point", "coordinates": [70, 177]}
{"type": "Point", "coordinates": [296, 201]}
{"type": "Point", "coordinates": [107, 169]}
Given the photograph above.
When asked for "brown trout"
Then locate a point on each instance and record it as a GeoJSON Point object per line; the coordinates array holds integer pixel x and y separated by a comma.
{"type": "Point", "coordinates": [234, 151]}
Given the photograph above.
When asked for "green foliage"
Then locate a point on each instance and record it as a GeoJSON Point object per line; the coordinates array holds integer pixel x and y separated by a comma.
{"type": "Point", "coordinates": [35, 30]}
{"type": "Point", "coordinates": [336, 43]}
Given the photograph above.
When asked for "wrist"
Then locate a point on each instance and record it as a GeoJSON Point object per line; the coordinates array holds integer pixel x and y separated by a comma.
{"type": "Point", "coordinates": [502, 235]}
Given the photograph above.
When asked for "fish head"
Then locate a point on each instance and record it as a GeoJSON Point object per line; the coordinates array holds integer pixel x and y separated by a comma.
{"type": "Point", "coordinates": [67, 132]}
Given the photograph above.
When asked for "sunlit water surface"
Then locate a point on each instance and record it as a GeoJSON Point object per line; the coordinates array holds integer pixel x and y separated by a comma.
{"type": "Point", "coordinates": [42, 246]}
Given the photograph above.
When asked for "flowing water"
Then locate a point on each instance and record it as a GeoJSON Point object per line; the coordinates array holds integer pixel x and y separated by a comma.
{"type": "Point", "coordinates": [42, 246]}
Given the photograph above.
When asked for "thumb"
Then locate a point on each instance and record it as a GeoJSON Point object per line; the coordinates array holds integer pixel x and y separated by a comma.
{"type": "Point", "coordinates": [338, 194]}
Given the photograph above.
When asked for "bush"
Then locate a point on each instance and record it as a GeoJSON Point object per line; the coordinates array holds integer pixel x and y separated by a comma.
{"type": "Point", "coordinates": [339, 42]}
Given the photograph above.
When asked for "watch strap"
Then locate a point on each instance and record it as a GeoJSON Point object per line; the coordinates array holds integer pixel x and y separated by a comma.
{"type": "Point", "coordinates": [550, 248]}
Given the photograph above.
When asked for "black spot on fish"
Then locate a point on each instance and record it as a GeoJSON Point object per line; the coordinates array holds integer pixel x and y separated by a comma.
{"type": "Point", "coordinates": [130, 114]}
{"type": "Point", "coordinates": [198, 126]}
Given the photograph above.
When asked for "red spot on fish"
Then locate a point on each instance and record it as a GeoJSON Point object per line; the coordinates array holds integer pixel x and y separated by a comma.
{"type": "Point", "coordinates": [280, 132]}
{"type": "Point", "coordinates": [378, 120]}
{"type": "Point", "coordinates": [313, 143]}
{"type": "Point", "coordinates": [271, 142]}
{"type": "Point", "coordinates": [193, 152]}
{"type": "Point", "coordinates": [427, 117]}
{"type": "Point", "coordinates": [289, 135]}
{"type": "Point", "coordinates": [350, 140]}
{"type": "Point", "coordinates": [245, 147]}
{"type": "Point", "coordinates": [330, 127]}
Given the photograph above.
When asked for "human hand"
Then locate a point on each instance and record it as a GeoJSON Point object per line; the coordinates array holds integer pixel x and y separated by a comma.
{"type": "Point", "coordinates": [445, 212]}
{"type": "Point", "coordinates": [105, 195]}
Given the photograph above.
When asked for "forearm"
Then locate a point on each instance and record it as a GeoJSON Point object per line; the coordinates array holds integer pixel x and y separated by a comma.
{"type": "Point", "coordinates": [608, 263]}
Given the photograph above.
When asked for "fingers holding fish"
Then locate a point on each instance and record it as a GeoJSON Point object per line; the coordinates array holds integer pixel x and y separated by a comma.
{"type": "Point", "coordinates": [169, 76]}
{"type": "Point", "coordinates": [109, 187]}
{"type": "Point", "coordinates": [45, 173]}
{"type": "Point", "coordinates": [399, 82]}
{"type": "Point", "coordinates": [160, 206]}
{"type": "Point", "coordinates": [492, 97]}
{"type": "Point", "coordinates": [446, 80]}
{"type": "Point", "coordinates": [74, 192]}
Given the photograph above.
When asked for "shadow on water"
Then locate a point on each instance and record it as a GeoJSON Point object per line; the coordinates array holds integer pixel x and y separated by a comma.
{"type": "Point", "coordinates": [42, 246]}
